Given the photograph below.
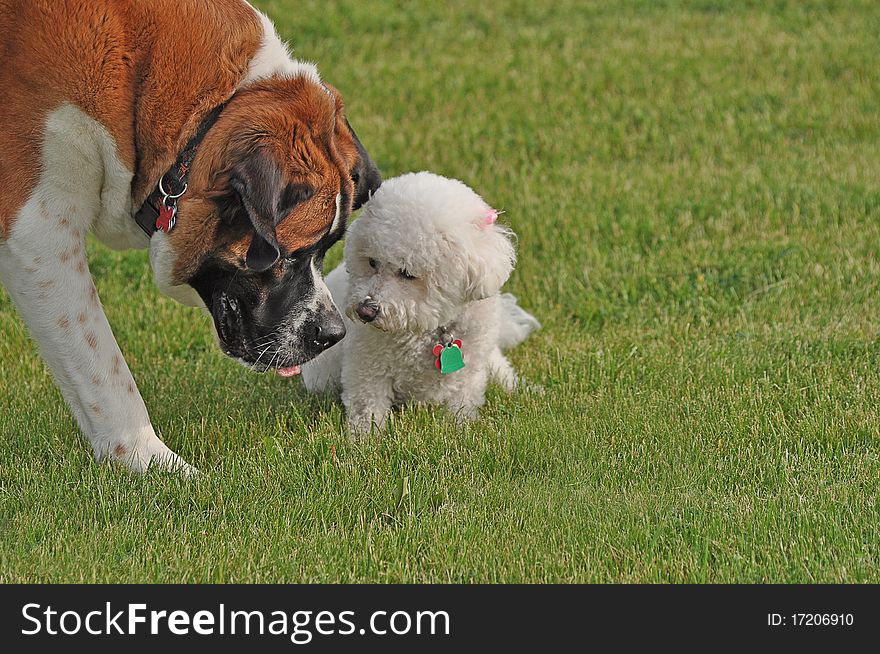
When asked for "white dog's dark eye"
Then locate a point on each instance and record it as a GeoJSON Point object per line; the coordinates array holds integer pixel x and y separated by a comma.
{"type": "Point", "coordinates": [403, 273]}
{"type": "Point", "coordinates": [374, 264]}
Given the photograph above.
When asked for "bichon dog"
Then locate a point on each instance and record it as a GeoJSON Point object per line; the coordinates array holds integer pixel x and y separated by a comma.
{"type": "Point", "coordinates": [419, 286]}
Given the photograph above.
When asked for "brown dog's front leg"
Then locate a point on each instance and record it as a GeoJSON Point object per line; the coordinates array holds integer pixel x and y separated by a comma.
{"type": "Point", "coordinates": [43, 265]}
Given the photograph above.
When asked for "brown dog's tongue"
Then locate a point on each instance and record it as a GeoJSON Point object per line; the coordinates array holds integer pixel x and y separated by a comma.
{"type": "Point", "coordinates": [293, 371]}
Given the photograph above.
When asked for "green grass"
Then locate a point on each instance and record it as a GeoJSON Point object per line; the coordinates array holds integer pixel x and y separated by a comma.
{"type": "Point", "coordinates": [696, 189]}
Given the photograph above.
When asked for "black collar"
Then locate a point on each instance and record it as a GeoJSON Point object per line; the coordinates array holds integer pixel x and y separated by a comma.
{"type": "Point", "coordinates": [159, 210]}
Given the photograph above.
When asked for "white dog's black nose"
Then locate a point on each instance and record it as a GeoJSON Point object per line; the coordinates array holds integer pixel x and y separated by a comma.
{"type": "Point", "coordinates": [368, 310]}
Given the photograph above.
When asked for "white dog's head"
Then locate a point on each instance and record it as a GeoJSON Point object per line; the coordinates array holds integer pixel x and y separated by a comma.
{"type": "Point", "coordinates": [424, 247]}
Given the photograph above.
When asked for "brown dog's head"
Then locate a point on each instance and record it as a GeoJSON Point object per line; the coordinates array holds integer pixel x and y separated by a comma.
{"type": "Point", "coordinates": [271, 189]}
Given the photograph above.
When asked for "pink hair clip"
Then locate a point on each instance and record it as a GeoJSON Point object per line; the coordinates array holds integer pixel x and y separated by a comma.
{"type": "Point", "coordinates": [490, 217]}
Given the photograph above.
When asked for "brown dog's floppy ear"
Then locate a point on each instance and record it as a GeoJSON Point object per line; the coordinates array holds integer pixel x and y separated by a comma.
{"type": "Point", "coordinates": [261, 255]}
{"type": "Point", "coordinates": [365, 174]}
{"type": "Point", "coordinates": [258, 183]}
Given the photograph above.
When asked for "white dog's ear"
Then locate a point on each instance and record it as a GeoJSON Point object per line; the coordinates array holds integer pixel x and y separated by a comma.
{"type": "Point", "coordinates": [491, 257]}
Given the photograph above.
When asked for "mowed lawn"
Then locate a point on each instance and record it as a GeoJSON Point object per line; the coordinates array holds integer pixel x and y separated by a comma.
{"type": "Point", "coordinates": [696, 190]}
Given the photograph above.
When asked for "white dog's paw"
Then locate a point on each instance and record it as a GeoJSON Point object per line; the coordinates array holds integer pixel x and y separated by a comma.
{"type": "Point", "coordinates": [509, 383]}
{"type": "Point", "coordinates": [358, 430]}
{"type": "Point", "coordinates": [361, 425]}
{"type": "Point", "coordinates": [532, 388]}
{"type": "Point", "coordinates": [465, 414]}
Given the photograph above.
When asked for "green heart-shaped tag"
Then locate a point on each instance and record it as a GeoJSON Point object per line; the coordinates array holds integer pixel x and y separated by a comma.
{"type": "Point", "coordinates": [451, 359]}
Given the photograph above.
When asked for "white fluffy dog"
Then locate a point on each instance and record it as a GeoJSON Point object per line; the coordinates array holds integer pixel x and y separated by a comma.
{"type": "Point", "coordinates": [420, 285]}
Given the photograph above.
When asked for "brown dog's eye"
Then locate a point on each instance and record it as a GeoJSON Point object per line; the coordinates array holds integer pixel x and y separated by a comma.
{"type": "Point", "coordinates": [374, 264]}
{"type": "Point", "coordinates": [403, 273]}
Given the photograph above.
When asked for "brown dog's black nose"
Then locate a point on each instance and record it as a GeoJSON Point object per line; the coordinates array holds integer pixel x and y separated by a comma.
{"type": "Point", "coordinates": [368, 310]}
{"type": "Point", "coordinates": [330, 335]}
{"type": "Point", "coordinates": [325, 332]}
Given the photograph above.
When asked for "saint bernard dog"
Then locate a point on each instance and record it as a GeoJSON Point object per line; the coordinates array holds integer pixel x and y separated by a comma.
{"type": "Point", "coordinates": [186, 127]}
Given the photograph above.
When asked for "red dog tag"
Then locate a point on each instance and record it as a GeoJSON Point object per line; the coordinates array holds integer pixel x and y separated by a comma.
{"type": "Point", "coordinates": [165, 221]}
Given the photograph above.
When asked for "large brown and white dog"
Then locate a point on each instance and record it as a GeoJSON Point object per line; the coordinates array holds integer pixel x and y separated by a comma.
{"type": "Point", "coordinates": [102, 100]}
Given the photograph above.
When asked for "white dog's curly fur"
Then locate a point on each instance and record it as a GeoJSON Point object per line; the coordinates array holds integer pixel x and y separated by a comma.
{"type": "Point", "coordinates": [428, 261]}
